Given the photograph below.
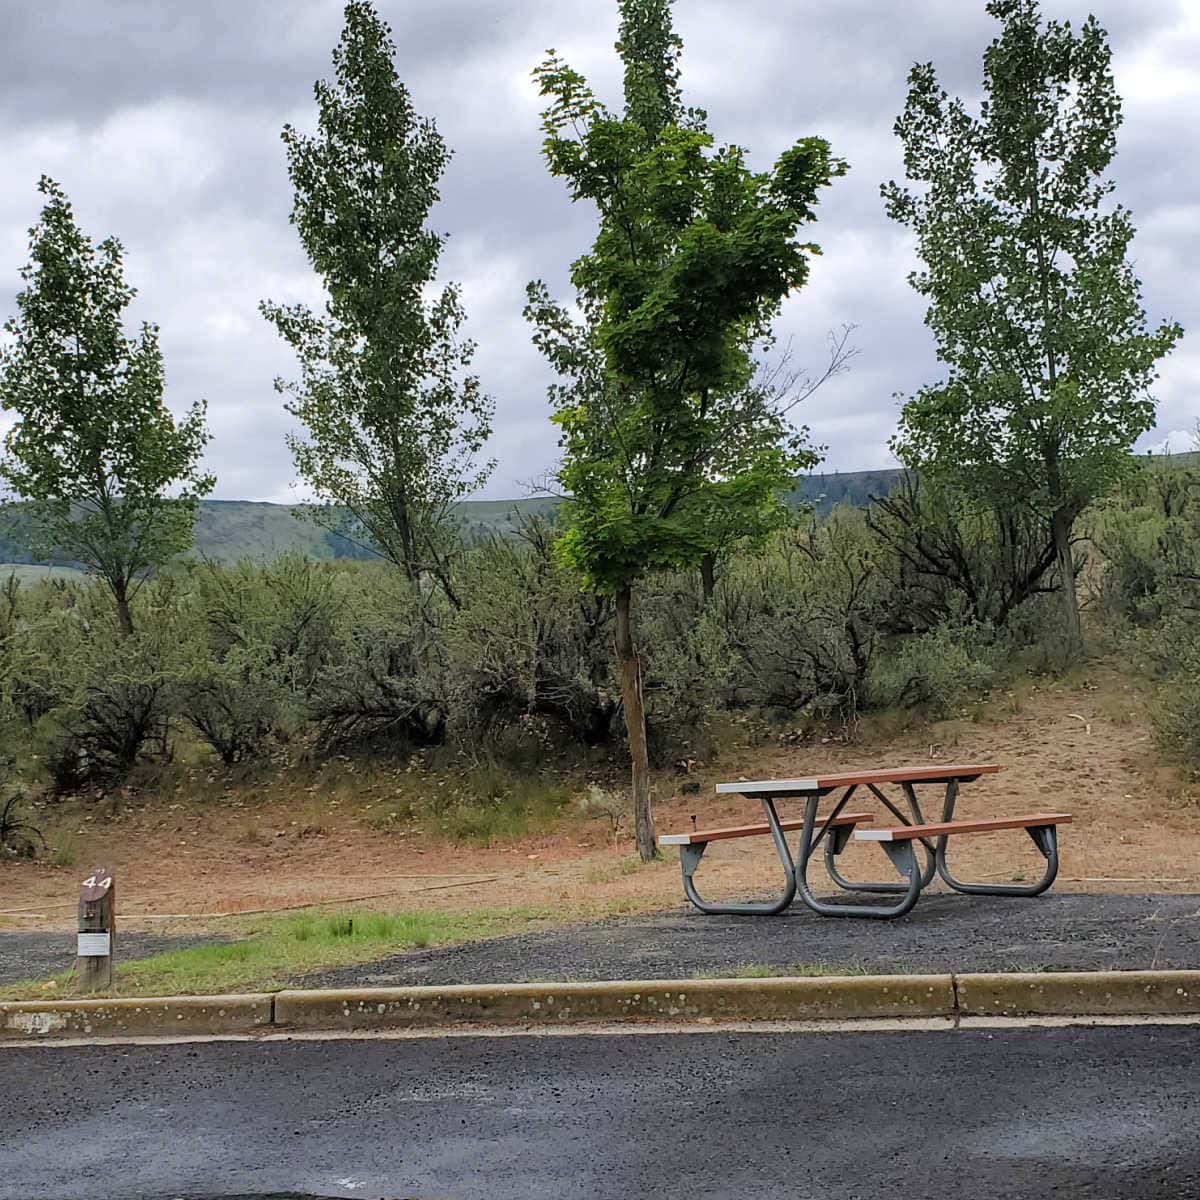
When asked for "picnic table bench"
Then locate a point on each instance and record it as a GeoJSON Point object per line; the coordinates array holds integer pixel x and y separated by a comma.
{"type": "Point", "coordinates": [836, 827]}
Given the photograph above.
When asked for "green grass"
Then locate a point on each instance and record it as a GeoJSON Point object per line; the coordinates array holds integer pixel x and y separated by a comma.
{"type": "Point", "coordinates": [625, 867]}
{"type": "Point", "coordinates": [268, 953]}
{"type": "Point", "coordinates": [497, 805]}
{"type": "Point", "coordinates": [793, 971]}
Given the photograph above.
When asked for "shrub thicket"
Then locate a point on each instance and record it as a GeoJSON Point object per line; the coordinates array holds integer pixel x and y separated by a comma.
{"type": "Point", "coordinates": [1148, 537]}
{"type": "Point", "coordinates": [252, 661]}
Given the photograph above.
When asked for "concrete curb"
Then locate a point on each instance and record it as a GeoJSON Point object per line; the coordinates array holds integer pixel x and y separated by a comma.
{"type": "Point", "coordinates": [1092, 993]}
{"type": "Point", "coordinates": [824, 998]}
{"type": "Point", "coordinates": [164, 1015]}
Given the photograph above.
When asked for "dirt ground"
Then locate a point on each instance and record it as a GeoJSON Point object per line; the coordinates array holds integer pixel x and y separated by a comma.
{"type": "Point", "coordinates": [1083, 747]}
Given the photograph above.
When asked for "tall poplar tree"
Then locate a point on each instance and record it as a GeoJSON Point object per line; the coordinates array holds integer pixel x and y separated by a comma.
{"type": "Point", "coordinates": [1033, 303]}
{"type": "Point", "coordinates": [393, 419]}
{"type": "Point", "coordinates": [667, 449]}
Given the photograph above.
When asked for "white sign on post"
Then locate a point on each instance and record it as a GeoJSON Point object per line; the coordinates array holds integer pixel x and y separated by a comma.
{"type": "Point", "coordinates": [94, 945]}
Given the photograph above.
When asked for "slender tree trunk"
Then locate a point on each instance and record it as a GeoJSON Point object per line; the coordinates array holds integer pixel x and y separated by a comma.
{"type": "Point", "coordinates": [1061, 524]}
{"type": "Point", "coordinates": [635, 726]}
{"type": "Point", "coordinates": [124, 613]}
{"type": "Point", "coordinates": [708, 576]}
{"type": "Point", "coordinates": [402, 521]}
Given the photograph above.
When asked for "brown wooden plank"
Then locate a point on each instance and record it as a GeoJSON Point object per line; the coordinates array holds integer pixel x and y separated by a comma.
{"type": "Point", "coordinates": [933, 774]}
{"type": "Point", "coordinates": [740, 831]}
{"type": "Point", "coordinates": [900, 833]}
{"type": "Point", "coordinates": [942, 773]}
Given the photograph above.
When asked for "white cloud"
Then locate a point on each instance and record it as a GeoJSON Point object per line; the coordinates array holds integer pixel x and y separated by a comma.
{"type": "Point", "coordinates": [162, 121]}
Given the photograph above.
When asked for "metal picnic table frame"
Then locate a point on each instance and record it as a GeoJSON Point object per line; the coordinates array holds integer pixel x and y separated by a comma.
{"type": "Point", "coordinates": [902, 853]}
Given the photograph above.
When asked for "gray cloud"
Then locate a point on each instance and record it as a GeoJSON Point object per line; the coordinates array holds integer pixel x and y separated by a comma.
{"type": "Point", "coordinates": [162, 121]}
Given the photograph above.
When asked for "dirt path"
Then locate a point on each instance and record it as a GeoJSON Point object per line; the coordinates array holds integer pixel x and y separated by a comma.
{"type": "Point", "coordinates": [1085, 748]}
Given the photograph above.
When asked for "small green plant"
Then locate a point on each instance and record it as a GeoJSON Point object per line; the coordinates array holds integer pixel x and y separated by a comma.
{"type": "Point", "coordinates": [64, 855]}
{"type": "Point", "coordinates": [601, 802]}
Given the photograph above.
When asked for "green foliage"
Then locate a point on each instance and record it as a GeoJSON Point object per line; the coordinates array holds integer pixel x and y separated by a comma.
{"type": "Point", "coordinates": [267, 634]}
{"type": "Point", "coordinates": [1170, 648]}
{"type": "Point", "coordinates": [114, 693]}
{"type": "Point", "coordinates": [385, 683]}
{"type": "Point", "coordinates": [235, 703]}
{"type": "Point", "coordinates": [938, 671]}
{"type": "Point", "coordinates": [527, 642]}
{"type": "Point", "coordinates": [690, 668]}
{"type": "Point", "coordinates": [668, 449]}
{"type": "Point", "coordinates": [1148, 538]}
{"type": "Point", "coordinates": [289, 608]}
{"type": "Point", "coordinates": [111, 479]}
{"type": "Point", "coordinates": [806, 617]}
{"type": "Point", "coordinates": [951, 555]}
{"type": "Point", "coordinates": [270, 663]}
{"type": "Point", "coordinates": [393, 419]}
{"type": "Point", "coordinates": [1149, 591]}
{"type": "Point", "coordinates": [1033, 304]}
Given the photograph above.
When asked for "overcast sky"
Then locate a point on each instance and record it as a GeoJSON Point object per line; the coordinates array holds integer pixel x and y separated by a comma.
{"type": "Point", "coordinates": [161, 119]}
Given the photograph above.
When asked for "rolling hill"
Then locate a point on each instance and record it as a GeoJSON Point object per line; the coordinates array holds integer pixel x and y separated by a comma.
{"type": "Point", "coordinates": [231, 530]}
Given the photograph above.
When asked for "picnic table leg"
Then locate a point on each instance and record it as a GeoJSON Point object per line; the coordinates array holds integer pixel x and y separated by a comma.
{"type": "Point", "coordinates": [689, 860]}
{"type": "Point", "coordinates": [1045, 838]}
{"type": "Point", "coordinates": [903, 858]}
{"type": "Point", "coordinates": [838, 838]}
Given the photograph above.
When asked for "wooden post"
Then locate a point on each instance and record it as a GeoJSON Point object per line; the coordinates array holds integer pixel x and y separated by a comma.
{"type": "Point", "coordinates": [97, 929]}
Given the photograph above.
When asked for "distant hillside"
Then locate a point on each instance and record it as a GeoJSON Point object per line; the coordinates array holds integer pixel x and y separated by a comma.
{"type": "Point", "coordinates": [230, 530]}
{"type": "Point", "coordinates": [856, 488]}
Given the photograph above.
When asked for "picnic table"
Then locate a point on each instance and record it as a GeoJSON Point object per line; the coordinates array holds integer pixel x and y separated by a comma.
{"type": "Point", "coordinates": [833, 831]}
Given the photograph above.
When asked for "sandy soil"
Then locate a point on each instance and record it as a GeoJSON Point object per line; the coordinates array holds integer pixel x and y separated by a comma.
{"type": "Point", "coordinates": [1084, 748]}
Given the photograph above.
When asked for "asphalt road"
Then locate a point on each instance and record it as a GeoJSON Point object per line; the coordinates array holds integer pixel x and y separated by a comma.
{"type": "Point", "coordinates": [1082, 1113]}
{"type": "Point", "coordinates": [944, 933]}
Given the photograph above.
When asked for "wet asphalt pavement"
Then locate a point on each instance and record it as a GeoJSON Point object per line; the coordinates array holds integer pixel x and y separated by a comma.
{"type": "Point", "coordinates": [1090, 1114]}
{"type": "Point", "coordinates": [944, 933]}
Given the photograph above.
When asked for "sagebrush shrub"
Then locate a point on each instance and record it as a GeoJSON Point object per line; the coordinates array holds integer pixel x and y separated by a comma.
{"type": "Point", "coordinates": [938, 671]}
{"type": "Point", "coordinates": [804, 618]}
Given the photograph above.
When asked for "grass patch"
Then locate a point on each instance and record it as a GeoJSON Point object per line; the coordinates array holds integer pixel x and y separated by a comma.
{"type": "Point", "coordinates": [63, 854]}
{"type": "Point", "coordinates": [496, 805]}
{"type": "Point", "coordinates": [622, 869]}
{"type": "Point", "coordinates": [791, 971]}
{"type": "Point", "coordinates": [447, 796]}
{"type": "Point", "coordinates": [269, 953]}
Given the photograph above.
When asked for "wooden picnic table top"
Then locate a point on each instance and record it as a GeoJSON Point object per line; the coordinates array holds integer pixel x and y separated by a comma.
{"type": "Point", "coordinates": [943, 773]}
